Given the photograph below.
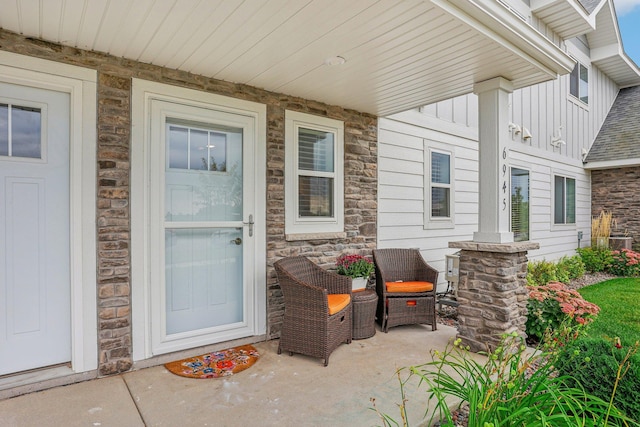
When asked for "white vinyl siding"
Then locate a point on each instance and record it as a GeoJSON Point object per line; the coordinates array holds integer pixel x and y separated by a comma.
{"type": "Point", "coordinates": [542, 109]}
{"type": "Point", "coordinates": [402, 201]}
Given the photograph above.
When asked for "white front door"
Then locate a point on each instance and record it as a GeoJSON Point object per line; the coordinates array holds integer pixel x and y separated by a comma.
{"type": "Point", "coordinates": [35, 312]}
{"type": "Point", "coordinates": [202, 238]}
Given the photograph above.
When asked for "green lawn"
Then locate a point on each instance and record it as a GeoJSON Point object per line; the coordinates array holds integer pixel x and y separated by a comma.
{"type": "Point", "coordinates": [619, 302]}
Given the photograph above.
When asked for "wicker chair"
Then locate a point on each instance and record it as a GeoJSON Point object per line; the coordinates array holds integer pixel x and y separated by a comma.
{"type": "Point", "coordinates": [405, 307]}
{"type": "Point", "coordinates": [308, 328]}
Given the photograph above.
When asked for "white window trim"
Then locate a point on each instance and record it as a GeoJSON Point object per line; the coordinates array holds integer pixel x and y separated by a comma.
{"type": "Point", "coordinates": [294, 225]}
{"type": "Point", "coordinates": [563, 226]}
{"type": "Point", "coordinates": [576, 99]}
{"type": "Point", "coordinates": [431, 223]}
{"type": "Point", "coordinates": [511, 205]}
{"type": "Point", "coordinates": [143, 92]}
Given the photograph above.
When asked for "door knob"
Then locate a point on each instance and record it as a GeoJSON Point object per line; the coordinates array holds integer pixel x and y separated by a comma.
{"type": "Point", "coordinates": [237, 241]}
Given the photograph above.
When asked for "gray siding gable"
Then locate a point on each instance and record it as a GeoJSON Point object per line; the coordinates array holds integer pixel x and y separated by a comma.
{"type": "Point", "coordinates": [619, 137]}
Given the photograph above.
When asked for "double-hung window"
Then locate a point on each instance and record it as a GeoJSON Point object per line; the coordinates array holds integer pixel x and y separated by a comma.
{"type": "Point", "coordinates": [579, 83]}
{"type": "Point", "coordinates": [564, 207]}
{"type": "Point", "coordinates": [520, 204]}
{"type": "Point", "coordinates": [439, 188]}
{"type": "Point", "coordinates": [314, 174]}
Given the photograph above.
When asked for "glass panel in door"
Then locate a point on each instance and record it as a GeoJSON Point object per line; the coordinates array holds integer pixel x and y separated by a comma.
{"type": "Point", "coordinates": [203, 227]}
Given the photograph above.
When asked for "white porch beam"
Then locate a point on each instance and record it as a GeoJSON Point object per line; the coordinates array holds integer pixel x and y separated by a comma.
{"type": "Point", "coordinates": [493, 103]}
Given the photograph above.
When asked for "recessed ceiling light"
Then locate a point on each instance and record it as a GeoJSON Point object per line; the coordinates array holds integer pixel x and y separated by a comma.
{"type": "Point", "coordinates": [335, 60]}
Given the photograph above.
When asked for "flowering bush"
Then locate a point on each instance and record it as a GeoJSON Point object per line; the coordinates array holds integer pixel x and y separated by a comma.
{"type": "Point", "coordinates": [553, 305]}
{"type": "Point", "coordinates": [625, 263]}
{"type": "Point", "coordinates": [354, 266]}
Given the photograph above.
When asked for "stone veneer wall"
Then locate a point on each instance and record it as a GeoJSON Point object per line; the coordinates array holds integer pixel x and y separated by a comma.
{"type": "Point", "coordinates": [492, 292]}
{"type": "Point", "coordinates": [618, 191]}
{"type": "Point", "coordinates": [113, 183]}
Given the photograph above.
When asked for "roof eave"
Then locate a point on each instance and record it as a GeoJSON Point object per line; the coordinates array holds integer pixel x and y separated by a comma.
{"type": "Point", "coordinates": [494, 20]}
{"type": "Point", "coordinates": [612, 164]}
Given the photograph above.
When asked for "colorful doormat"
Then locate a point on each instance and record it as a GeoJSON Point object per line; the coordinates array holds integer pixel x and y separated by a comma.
{"type": "Point", "coordinates": [217, 364]}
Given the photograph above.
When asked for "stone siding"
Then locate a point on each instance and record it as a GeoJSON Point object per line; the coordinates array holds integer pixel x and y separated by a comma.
{"type": "Point", "coordinates": [492, 292]}
{"type": "Point", "coordinates": [618, 191]}
{"type": "Point", "coordinates": [113, 183]}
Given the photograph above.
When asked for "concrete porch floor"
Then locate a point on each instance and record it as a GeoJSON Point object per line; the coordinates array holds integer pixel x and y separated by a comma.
{"type": "Point", "coordinates": [278, 390]}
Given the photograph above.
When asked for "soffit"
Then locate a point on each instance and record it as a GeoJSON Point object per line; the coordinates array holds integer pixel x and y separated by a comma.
{"type": "Point", "coordinates": [400, 54]}
{"type": "Point", "coordinates": [567, 18]}
{"type": "Point", "coordinates": [607, 51]}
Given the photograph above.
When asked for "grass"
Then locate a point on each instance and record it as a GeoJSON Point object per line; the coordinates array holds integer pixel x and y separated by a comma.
{"type": "Point", "coordinates": [619, 301]}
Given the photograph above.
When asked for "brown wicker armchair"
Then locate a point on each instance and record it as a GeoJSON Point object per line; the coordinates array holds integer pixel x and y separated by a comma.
{"type": "Point", "coordinates": [406, 287]}
{"type": "Point", "coordinates": [308, 328]}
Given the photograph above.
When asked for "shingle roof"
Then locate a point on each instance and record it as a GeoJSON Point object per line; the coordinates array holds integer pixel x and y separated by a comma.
{"type": "Point", "coordinates": [589, 5]}
{"type": "Point", "coordinates": [619, 137]}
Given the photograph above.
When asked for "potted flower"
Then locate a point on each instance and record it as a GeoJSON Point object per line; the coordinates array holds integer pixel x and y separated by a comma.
{"type": "Point", "coordinates": [357, 267]}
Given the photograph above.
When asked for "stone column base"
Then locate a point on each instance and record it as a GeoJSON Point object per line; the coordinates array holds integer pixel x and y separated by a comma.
{"type": "Point", "coordinates": [492, 293]}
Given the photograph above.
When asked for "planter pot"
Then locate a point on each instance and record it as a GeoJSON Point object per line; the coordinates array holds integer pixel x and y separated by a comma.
{"type": "Point", "coordinates": [359, 283]}
{"type": "Point", "coordinates": [602, 242]}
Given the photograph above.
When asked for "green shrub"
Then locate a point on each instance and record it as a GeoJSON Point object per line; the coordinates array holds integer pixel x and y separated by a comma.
{"type": "Point", "coordinates": [541, 272]}
{"type": "Point", "coordinates": [595, 259]}
{"type": "Point", "coordinates": [503, 391]}
{"type": "Point", "coordinates": [552, 305]}
{"type": "Point", "coordinates": [572, 267]}
{"type": "Point", "coordinates": [625, 263]}
{"type": "Point", "coordinates": [595, 364]}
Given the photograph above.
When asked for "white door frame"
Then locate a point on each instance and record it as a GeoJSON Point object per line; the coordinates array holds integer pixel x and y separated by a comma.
{"type": "Point", "coordinates": [81, 85]}
{"type": "Point", "coordinates": [143, 93]}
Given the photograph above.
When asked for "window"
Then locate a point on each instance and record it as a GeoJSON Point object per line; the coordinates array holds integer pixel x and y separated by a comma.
{"type": "Point", "coordinates": [579, 83]}
{"type": "Point", "coordinates": [20, 131]}
{"type": "Point", "coordinates": [520, 204]}
{"type": "Point", "coordinates": [439, 192]}
{"type": "Point", "coordinates": [564, 200]}
{"type": "Point", "coordinates": [314, 180]}
{"type": "Point", "coordinates": [196, 148]}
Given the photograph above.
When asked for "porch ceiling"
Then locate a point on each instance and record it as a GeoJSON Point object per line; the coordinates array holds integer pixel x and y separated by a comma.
{"type": "Point", "coordinates": [399, 54]}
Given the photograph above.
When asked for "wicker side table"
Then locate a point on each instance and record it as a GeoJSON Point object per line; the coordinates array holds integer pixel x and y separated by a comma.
{"type": "Point", "coordinates": [364, 313]}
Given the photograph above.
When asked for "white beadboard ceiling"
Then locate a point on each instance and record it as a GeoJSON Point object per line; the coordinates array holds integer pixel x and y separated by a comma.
{"type": "Point", "coordinates": [399, 54]}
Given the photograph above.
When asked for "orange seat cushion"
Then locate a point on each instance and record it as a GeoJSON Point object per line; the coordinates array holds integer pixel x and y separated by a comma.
{"type": "Point", "coordinates": [337, 302]}
{"type": "Point", "coordinates": [409, 286]}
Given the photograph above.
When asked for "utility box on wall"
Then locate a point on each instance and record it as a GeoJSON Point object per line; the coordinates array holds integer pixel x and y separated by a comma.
{"type": "Point", "coordinates": [452, 273]}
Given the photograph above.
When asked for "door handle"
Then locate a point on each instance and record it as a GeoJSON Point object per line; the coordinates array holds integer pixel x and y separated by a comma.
{"type": "Point", "coordinates": [250, 224]}
{"type": "Point", "coordinates": [237, 241]}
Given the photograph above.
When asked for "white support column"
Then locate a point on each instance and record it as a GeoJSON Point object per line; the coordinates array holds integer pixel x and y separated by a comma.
{"type": "Point", "coordinates": [494, 191]}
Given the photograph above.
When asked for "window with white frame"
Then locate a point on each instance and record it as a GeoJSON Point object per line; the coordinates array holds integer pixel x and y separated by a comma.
{"type": "Point", "coordinates": [314, 182]}
{"type": "Point", "coordinates": [564, 193]}
{"type": "Point", "coordinates": [579, 83]}
{"type": "Point", "coordinates": [20, 131]}
{"type": "Point", "coordinates": [520, 204]}
{"type": "Point", "coordinates": [439, 188]}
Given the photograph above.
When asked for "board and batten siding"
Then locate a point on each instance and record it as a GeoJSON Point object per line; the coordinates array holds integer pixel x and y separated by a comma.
{"type": "Point", "coordinates": [404, 137]}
